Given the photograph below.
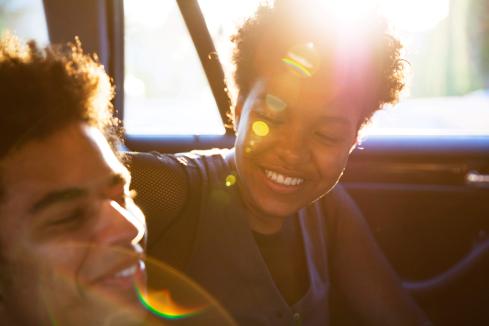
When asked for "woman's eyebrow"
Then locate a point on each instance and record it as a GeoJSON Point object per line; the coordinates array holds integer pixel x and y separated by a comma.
{"type": "Point", "coordinates": [330, 119]}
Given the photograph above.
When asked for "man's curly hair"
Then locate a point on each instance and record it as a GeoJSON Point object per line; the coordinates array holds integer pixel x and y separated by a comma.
{"type": "Point", "coordinates": [266, 36]}
{"type": "Point", "coordinates": [44, 90]}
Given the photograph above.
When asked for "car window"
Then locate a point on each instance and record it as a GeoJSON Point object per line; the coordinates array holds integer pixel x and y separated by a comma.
{"type": "Point", "coordinates": [445, 45]}
{"type": "Point", "coordinates": [165, 87]}
{"type": "Point", "coordinates": [24, 18]}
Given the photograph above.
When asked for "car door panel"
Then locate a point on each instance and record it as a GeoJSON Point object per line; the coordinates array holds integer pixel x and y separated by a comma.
{"type": "Point", "coordinates": [429, 220]}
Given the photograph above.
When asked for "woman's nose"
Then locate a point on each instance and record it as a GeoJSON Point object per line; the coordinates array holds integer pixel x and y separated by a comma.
{"type": "Point", "coordinates": [293, 148]}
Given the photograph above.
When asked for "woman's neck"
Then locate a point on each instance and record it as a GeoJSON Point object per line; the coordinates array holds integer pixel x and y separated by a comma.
{"type": "Point", "coordinates": [262, 223]}
{"type": "Point", "coordinates": [258, 220]}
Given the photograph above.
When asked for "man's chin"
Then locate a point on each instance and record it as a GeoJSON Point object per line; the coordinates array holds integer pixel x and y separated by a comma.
{"type": "Point", "coordinates": [102, 304]}
{"type": "Point", "coordinates": [123, 311]}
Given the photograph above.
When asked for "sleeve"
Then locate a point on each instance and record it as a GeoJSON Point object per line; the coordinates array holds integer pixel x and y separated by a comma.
{"type": "Point", "coordinates": [161, 186]}
{"type": "Point", "coordinates": [360, 272]}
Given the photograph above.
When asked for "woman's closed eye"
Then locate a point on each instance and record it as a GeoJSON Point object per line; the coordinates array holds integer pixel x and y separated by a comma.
{"type": "Point", "coordinates": [268, 116]}
{"type": "Point", "coordinates": [328, 138]}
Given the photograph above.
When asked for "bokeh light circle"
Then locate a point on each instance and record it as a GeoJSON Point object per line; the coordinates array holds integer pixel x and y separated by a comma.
{"type": "Point", "coordinates": [260, 128]}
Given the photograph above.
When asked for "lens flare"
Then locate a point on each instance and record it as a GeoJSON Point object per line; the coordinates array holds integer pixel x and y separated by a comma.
{"type": "Point", "coordinates": [296, 66]}
{"type": "Point", "coordinates": [162, 305]}
{"type": "Point", "coordinates": [93, 303]}
{"type": "Point", "coordinates": [170, 297]}
{"type": "Point", "coordinates": [302, 60]}
{"type": "Point", "coordinates": [174, 299]}
{"type": "Point", "coordinates": [275, 103]}
{"type": "Point", "coordinates": [230, 180]}
{"type": "Point", "coordinates": [260, 128]}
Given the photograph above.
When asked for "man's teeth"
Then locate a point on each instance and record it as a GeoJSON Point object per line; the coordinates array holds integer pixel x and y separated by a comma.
{"type": "Point", "coordinates": [283, 179]}
{"type": "Point", "coordinates": [130, 271]}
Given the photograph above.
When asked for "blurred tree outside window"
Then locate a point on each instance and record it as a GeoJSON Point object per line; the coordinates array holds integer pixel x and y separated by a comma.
{"type": "Point", "coordinates": [24, 18]}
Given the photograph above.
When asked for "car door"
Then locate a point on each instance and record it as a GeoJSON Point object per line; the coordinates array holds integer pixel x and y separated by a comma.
{"type": "Point", "coordinates": [426, 200]}
{"type": "Point", "coordinates": [424, 194]}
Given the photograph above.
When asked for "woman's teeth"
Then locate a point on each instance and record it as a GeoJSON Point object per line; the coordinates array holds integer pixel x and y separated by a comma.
{"type": "Point", "coordinates": [283, 179]}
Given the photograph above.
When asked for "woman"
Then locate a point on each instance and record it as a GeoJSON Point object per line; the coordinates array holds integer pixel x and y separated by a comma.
{"type": "Point", "coordinates": [264, 226]}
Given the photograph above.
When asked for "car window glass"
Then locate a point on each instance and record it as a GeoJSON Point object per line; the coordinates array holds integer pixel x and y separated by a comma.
{"type": "Point", "coordinates": [446, 45]}
{"type": "Point", "coordinates": [165, 87]}
{"type": "Point", "coordinates": [24, 18]}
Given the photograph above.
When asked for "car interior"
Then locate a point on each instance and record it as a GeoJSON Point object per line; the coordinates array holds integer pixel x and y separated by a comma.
{"type": "Point", "coordinates": [424, 195]}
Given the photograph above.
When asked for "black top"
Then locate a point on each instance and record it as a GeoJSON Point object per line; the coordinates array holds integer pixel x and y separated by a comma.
{"type": "Point", "coordinates": [283, 253]}
{"type": "Point", "coordinates": [368, 285]}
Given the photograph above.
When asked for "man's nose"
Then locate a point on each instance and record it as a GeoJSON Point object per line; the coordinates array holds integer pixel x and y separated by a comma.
{"type": "Point", "coordinates": [120, 225]}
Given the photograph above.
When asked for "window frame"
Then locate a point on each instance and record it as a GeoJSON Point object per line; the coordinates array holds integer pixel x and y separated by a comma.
{"type": "Point", "coordinates": [105, 36]}
{"type": "Point", "coordinates": [202, 41]}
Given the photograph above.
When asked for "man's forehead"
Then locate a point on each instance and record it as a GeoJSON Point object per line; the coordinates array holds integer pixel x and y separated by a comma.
{"type": "Point", "coordinates": [72, 157]}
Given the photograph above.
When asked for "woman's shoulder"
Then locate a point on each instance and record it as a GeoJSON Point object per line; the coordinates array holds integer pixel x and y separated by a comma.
{"type": "Point", "coordinates": [164, 182]}
{"type": "Point", "coordinates": [338, 200]}
{"type": "Point", "coordinates": [161, 184]}
{"type": "Point", "coordinates": [340, 210]}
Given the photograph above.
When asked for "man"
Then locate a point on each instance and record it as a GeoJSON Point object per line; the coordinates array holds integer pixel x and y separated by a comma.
{"type": "Point", "coordinates": [69, 230]}
{"type": "Point", "coordinates": [264, 226]}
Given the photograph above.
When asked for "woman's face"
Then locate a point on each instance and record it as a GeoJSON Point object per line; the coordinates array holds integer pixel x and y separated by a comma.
{"type": "Point", "coordinates": [294, 136]}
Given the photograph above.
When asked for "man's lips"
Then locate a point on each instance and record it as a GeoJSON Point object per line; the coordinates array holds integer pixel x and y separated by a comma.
{"type": "Point", "coordinates": [122, 275]}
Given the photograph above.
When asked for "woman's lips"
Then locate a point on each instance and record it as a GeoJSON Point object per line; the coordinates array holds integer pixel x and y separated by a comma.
{"type": "Point", "coordinates": [282, 183]}
{"type": "Point", "coordinates": [283, 179]}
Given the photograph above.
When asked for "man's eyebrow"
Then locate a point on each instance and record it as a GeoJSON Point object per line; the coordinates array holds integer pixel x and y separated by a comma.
{"type": "Point", "coordinates": [58, 196]}
{"type": "Point", "coordinates": [68, 194]}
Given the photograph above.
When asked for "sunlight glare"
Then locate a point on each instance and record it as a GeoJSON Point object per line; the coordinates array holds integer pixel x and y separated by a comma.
{"type": "Point", "coordinates": [415, 15]}
{"type": "Point", "coordinates": [405, 15]}
{"type": "Point", "coordinates": [347, 12]}
{"type": "Point", "coordinates": [151, 15]}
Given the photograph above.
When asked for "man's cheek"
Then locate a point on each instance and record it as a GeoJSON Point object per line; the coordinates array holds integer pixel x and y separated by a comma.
{"type": "Point", "coordinates": [59, 290]}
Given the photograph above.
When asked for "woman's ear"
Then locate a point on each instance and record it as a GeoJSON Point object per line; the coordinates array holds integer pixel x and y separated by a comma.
{"type": "Point", "coordinates": [238, 109]}
{"type": "Point", "coordinates": [357, 140]}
